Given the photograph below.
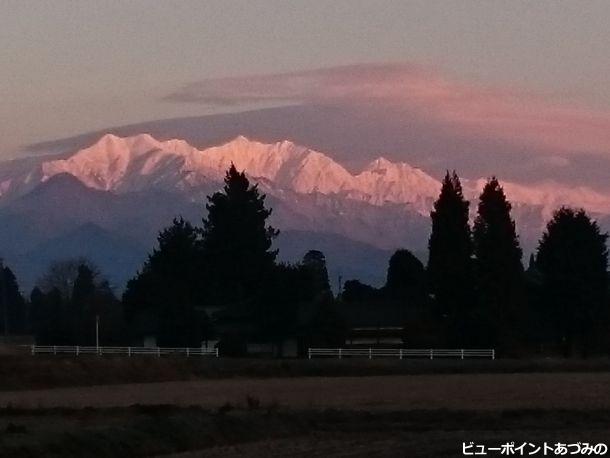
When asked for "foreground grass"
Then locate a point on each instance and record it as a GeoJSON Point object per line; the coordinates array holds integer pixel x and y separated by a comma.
{"type": "Point", "coordinates": [20, 372]}
{"type": "Point", "coordinates": [259, 429]}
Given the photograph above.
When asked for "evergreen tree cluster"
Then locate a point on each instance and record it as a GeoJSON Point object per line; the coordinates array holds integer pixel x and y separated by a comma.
{"type": "Point", "coordinates": [475, 292]}
{"type": "Point", "coordinates": [226, 267]}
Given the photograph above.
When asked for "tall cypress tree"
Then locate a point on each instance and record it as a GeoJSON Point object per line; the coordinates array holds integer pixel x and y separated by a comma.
{"type": "Point", "coordinates": [573, 261]}
{"type": "Point", "coordinates": [450, 266]}
{"type": "Point", "coordinates": [498, 262]}
{"type": "Point", "coordinates": [237, 241]}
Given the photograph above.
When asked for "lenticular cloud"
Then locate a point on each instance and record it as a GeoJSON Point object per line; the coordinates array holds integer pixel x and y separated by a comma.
{"type": "Point", "coordinates": [536, 123]}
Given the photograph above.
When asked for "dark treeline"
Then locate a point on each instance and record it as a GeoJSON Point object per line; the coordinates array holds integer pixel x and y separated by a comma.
{"type": "Point", "coordinates": [221, 282]}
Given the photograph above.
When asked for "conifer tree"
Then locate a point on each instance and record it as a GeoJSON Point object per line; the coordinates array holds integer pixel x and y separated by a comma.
{"type": "Point", "coordinates": [450, 266]}
{"type": "Point", "coordinates": [499, 270]}
{"type": "Point", "coordinates": [315, 262]}
{"type": "Point", "coordinates": [406, 279]}
{"type": "Point", "coordinates": [81, 305]}
{"type": "Point", "coordinates": [168, 288]}
{"type": "Point", "coordinates": [14, 302]}
{"type": "Point", "coordinates": [237, 242]}
{"type": "Point", "coordinates": [573, 261]}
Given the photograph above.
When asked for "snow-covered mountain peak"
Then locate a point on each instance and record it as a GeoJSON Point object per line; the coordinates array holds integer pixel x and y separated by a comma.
{"type": "Point", "coordinates": [115, 144]}
{"type": "Point", "coordinates": [112, 160]}
{"type": "Point", "coordinates": [141, 162]}
{"type": "Point", "coordinates": [381, 163]}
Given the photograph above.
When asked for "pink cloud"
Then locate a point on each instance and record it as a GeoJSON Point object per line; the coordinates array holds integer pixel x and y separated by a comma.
{"type": "Point", "coordinates": [466, 109]}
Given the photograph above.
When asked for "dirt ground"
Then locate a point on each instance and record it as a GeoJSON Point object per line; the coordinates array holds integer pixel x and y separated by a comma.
{"type": "Point", "coordinates": [27, 372]}
{"type": "Point", "coordinates": [449, 391]}
{"type": "Point", "coordinates": [379, 416]}
{"type": "Point", "coordinates": [271, 431]}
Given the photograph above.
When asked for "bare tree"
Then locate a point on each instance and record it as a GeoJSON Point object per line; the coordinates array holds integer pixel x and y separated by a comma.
{"type": "Point", "coordinates": [61, 274]}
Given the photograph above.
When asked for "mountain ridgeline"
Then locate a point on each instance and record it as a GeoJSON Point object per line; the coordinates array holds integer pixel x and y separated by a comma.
{"type": "Point", "coordinates": [119, 192]}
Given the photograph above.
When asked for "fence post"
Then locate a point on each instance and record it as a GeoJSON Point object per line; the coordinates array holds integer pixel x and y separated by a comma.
{"type": "Point", "coordinates": [158, 352]}
{"type": "Point", "coordinates": [100, 351]}
{"type": "Point", "coordinates": [77, 350]}
{"type": "Point", "coordinates": [217, 352]}
{"type": "Point", "coordinates": [370, 353]}
{"type": "Point", "coordinates": [462, 353]}
{"type": "Point", "coordinates": [33, 349]}
{"type": "Point", "coordinates": [129, 351]}
{"type": "Point", "coordinates": [54, 349]}
{"type": "Point", "coordinates": [187, 352]}
{"type": "Point", "coordinates": [309, 353]}
{"type": "Point", "coordinates": [493, 353]}
{"type": "Point", "coordinates": [401, 353]}
{"type": "Point", "coordinates": [431, 353]}
{"type": "Point", "coordinates": [340, 352]}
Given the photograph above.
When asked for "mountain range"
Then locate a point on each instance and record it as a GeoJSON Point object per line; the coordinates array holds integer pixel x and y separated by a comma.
{"type": "Point", "coordinates": [108, 201]}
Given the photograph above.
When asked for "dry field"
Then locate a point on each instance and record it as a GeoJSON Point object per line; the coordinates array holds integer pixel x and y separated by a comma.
{"type": "Point", "coordinates": [393, 392]}
{"type": "Point", "coordinates": [23, 371]}
{"type": "Point", "coordinates": [421, 413]}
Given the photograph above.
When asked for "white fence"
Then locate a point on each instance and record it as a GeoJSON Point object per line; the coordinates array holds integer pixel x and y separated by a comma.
{"type": "Point", "coordinates": [401, 353]}
{"type": "Point", "coordinates": [124, 351]}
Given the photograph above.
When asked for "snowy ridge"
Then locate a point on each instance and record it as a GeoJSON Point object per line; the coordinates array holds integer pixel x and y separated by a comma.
{"type": "Point", "coordinates": [141, 162]}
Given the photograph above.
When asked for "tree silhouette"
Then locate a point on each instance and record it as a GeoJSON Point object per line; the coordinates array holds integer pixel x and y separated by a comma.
{"type": "Point", "coordinates": [84, 285]}
{"type": "Point", "coordinates": [327, 326]}
{"type": "Point", "coordinates": [62, 274]}
{"type": "Point", "coordinates": [354, 291]}
{"type": "Point", "coordinates": [93, 302]}
{"type": "Point", "coordinates": [81, 304]}
{"type": "Point", "coordinates": [450, 266]}
{"type": "Point", "coordinates": [406, 279]}
{"type": "Point", "coordinates": [168, 289]}
{"type": "Point", "coordinates": [573, 260]}
{"type": "Point", "coordinates": [315, 262]}
{"type": "Point", "coordinates": [289, 292]}
{"type": "Point", "coordinates": [47, 315]}
{"type": "Point", "coordinates": [498, 262]}
{"type": "Point", "coordinates": [15, 304]}
{"type": "Point", "coordinates": [237, 242]}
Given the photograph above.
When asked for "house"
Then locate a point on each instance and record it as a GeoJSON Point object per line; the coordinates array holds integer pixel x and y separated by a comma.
{"type": "Point", "coordinates": [370, 336]}
{"type": "Point", "coordinates": [374, 324]}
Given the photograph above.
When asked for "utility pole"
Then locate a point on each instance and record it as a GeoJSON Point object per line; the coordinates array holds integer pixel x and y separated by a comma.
{"type": "Point", "coordinates": [4, 300]}
{"type": "Point", "coordinates": [97, 333]}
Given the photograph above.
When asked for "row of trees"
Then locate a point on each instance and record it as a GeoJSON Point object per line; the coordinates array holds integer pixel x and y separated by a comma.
{"type": "Point", "coordinates": [228, 267]}
{"type": "Point", "coordinates": [474, 290]}
{"type": "Point", "coordinates": [480, 286]}
{"type": "Point", "coordinates": [63, 307]}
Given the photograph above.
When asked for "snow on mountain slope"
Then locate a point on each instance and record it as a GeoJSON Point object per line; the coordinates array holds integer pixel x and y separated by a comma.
{"type": "Point", "coordinates": [141, 162]}
{"type": "Point", "coordinates": [134, 163]}
{"type": "Point", "coordinates": [384, 181]}
{"type": "Point", "coordinates": [122, 164]}
{"type": "Point", "coordinates": [285, 164]}
{"type": "Point", "coordinates": [549, 196]}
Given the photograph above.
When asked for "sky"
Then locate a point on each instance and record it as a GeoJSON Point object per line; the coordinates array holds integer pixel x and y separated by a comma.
{"type": "Point", "coordinates": [537, 72]}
